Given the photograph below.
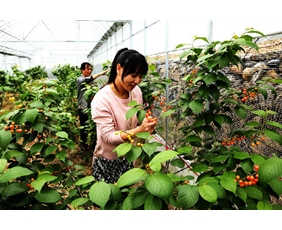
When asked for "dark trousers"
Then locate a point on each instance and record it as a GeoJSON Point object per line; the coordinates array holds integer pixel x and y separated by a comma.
{"type": "Point", "coordinates": [83, 117]}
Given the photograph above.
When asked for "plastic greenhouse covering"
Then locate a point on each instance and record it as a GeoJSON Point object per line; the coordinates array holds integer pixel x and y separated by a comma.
{"type": "Point", "coordinates": [51, 42]}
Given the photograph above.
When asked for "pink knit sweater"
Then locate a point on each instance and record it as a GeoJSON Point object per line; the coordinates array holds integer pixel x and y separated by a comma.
{"type": "Point", "coordinates": [108, 112]}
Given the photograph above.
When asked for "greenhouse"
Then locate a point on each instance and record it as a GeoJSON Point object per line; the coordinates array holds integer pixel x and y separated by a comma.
{"type": "Point", "coordinates": [193, 122]}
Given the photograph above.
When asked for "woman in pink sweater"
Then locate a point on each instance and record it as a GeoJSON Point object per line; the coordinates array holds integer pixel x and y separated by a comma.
{"type": "Point", "coordinates": [108, 109]}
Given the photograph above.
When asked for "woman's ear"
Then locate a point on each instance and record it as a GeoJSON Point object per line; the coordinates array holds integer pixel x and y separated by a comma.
{"type": "Point", "coordinates": [119, 70]}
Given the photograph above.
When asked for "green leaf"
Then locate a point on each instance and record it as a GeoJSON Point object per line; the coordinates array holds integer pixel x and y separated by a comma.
{"type": "Point", "coordinates": [122, 149]}
{"type": "Point", "coordinates": [199, 167]}
{"type": "Point", "coordinates": [14, 189]}
{"type": "Point", "coordinates": [62, 135]}
{"type": "Point", "coordinates": [241, 155]}
{"type": "Point", "coordinates": [270, 169]}
{"type": "Point", "coordinates": [228, 183]}
{"type": "Point", "coordinates": [133, 154]}
{"type": "Point", "coordinates": [162, 157]}
{"type": "Point", "coordinates": [254, 192]}
{"type": "Point", "coordinates": [12, 153]}
{"type": "Point", "coordinates": [185, 150]}
{"type": "Point", "coordinates": [241, 112]}
{"type": "Point", "coordinates": [252, 124]}
{"type": "Point", "coordinates": [150, 148]}
{"type": "Point", "coordinates": [38, 183]}
{"type": "Point", "coordinates": [159, 184]}
{"type": "Point", "coordinates": [14, 173]}
{"type": "Point", "coordinates": [48, 195]}
{"type": "Point", "coordinates": [38, 126]}
{"type": "Point", "coordinates": [153, 203]}
{"type": "Point", "coordinates": [130, 177]}
{"type": "Point", "coordinates": [260, 113]}
{"type": "Point", "coordinates": [275, 124]}
{"type": "Point", "coordinates": [276, 186]}
{"type": "Point", "coordinates": [242, 194]}
{"type": "Point", "coordinates": [208, 193]}
{"type": "Point", "coordinates": [5, 139]}
{"type": "Point", "coordinates": [273, 135]}
{"type": "Point", "coordinates": [264, 205]}
{"type": "Point", "coordinates": [141, 115]}
{"type": "Point", "coordinates": [84, 180]}
{"type": "Point", "coordinates": [135, 200]}
{"type": "Point", "coordinates": [36, 147]}
{"type": "Point", "coordinates": [131, 112]}
{"type": "Point", "coordinates": [143, 135]}
{"type": "Point", "coordinates": [196, 106]}
{"type": "Point", "coordinates": [36, 104]}
{"type": "Point", "coordinates": [50, 149]}
{"type": "Point", "coordinates": [99, 193]}
{"type": "Point", "coordinates": [31, 114]}
{"type": "Point", "coordinates": [3, 163]}
{"type": "Point", "coordinates": [187, 195]}
{"type": "Point", "coordinates": [79, 202]}
{"type": "Point", "coordinates": [219, 119]}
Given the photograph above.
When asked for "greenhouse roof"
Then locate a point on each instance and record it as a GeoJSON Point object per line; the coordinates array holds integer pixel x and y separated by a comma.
{"type": "Point", "coordinates": [29, 38]}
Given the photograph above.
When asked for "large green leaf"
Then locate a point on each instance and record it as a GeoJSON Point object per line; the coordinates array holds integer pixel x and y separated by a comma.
{"type": "Point", "coordinates": [188, 196]}
{"type": "Point", "coordinates": [162, 157]}
{"type": "Point", "coordinates": [241, 155]}
{"type": "Point", "coordinates": [208, 193]}
{"type": "Point", "coordinates": [150, 148]}
{"type": "Point", "coordinates": [264, 205]}
{"type": "Point", "coordinates": [254, 192]}
{"type": "Point", "coordinates": [135, 200]}
{"type": "Point", "coordinates": [242, 194]}
{"type": "Point", "coordinates": [159, 184]}
{"type": "Point", "coordinates": [122, 149]}
{"type": "Point", "coordinates": [12, 153]}
{"type": "Point", "coordinates": [31, 114]}
{"type": "Point", "coordinates": [196, 106]}
{"type": "Point", "coordinates": [79, 202]}
{"type": "Point", "coordinates": [35, 148]}
{"type": "Point", "coordinates": [84, 180]}
{"type": "Point", "coordinates": [241, 112]}
{"type": "Point", "coordinates": [276, 185]}
{"type": "Point", "coordinates": [131, 112]}
{"type": "Point", "coordinates": [130, 177]}
{"type": "Point", "coordinates": [270, 169]}
{"type": "Point", "coordinates": [228, 183]}
{"type": "Point", "coordinates": [133, 154]}
{"type": "Point", "coordinates": [99, 193]}
{"type": "Point", "coordinates": [14, 173]}
{"type": "Point", "coordinates": [5, 139]}
{"type": "Point", "coordinates": [62, 134]}
{"type": "Point", "coordinates": [273, 135]}
{"type": "Point", "coordinates": [153, 203]}
{"type": "Point", "coordinates": [38, 184]}
{"type": "Point", "coordinates": [14, 189]}
{"type": "Point", "coordinates": [48, 195]}
{"type": "Point", "coordinates": [3, 163]}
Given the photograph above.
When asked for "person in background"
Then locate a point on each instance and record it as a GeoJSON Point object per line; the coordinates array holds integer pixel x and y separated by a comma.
{"type": "Point", "coordinates": [85, 78]}
{"type": "Point", "coordinates": [108, 110]}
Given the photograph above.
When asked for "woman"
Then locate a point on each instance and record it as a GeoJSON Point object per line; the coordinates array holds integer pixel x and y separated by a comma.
{"type": "Point", "coordinates": [108, 112]}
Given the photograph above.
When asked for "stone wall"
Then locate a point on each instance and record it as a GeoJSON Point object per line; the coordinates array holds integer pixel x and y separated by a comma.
{"type": "Point", "coordinates": [265, 63]}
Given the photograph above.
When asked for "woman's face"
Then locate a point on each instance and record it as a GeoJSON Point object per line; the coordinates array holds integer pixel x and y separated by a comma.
{"type": "Point", "coordinates": [130, 81]}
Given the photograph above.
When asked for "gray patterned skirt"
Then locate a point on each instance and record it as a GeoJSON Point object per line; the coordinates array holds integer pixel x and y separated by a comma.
{"type": "Point", "coordinates": [109, 171]}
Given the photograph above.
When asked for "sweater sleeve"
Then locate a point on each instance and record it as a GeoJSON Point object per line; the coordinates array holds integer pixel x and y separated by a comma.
{"type": "Point", "coordinates": [103, 115]}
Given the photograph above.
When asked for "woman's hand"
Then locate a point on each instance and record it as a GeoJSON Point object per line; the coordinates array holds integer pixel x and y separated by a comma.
{"type": "Point", "coordinates": [148, 125]}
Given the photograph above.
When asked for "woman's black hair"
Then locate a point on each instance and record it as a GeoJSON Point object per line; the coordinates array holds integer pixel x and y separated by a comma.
{"type": "Point", "coordinates": [132, 62]}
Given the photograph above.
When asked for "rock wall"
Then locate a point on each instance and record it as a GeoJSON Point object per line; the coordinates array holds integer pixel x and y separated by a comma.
{"type": "Point", "coordinates": [265, 63]}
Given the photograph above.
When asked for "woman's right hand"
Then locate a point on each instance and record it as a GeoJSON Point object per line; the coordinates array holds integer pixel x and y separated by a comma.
{"type": "Point", "coordinates": [148, 125]}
